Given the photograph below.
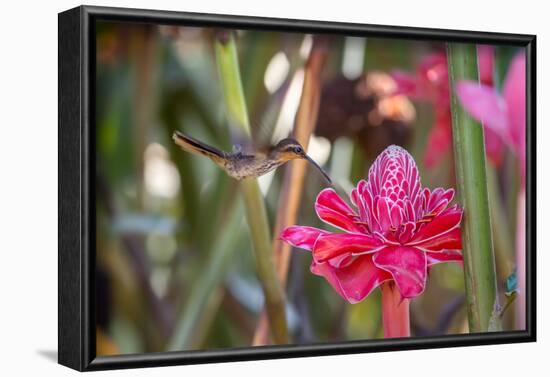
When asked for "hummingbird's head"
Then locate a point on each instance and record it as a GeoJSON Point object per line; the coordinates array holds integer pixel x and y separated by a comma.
{"type": "Point", "coordinates": [289, 149]}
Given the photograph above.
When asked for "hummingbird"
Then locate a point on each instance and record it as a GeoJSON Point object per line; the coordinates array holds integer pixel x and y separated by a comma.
{"type": "Point", "coordinates": [240, 165]}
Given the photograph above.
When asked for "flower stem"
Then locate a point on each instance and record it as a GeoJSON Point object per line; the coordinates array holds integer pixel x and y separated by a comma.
{"type": "Point", "coordinates": [395, 312]}
{"type": "Point", "coordinates": [503, 243]}
{"type": "Point", "coordinates": [471, 177]}
{"type": "Point", "coordinates": [294, 178]}
{"type": "Point", "coordinates": [521, 261]}
{"type": "Point", "coordinates": [256, 214]}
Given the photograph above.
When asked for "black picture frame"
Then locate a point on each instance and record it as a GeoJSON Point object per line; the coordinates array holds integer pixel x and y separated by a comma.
{"type": "Point", "coordinates": [76, 188]}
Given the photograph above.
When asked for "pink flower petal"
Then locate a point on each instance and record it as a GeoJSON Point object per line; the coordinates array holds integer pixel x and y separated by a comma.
{"type": "Point", "coordinates": [329, 246]}
{"type": "Point", "coordinates": [357, 200]}
{"type": "Point", "coordinates": [444, 223]}
{"type": "Point", "coordinates": [439, 138]}
{"type": "Point", "coordinates": [444, 256]}
{"type": "Point", "coordinates": [438, 195]}
{"type": "Point", "coordinates": [514, 95]}
{"type": "Point", "coordinates": [330, 199]}
{"type": "Point", "coordinates": [433, 197]}
{"type": "Point", "coordinates": [341, 260]}
{"type": "Point", "coordinates": [406, 232]}
{"type": "Point", "coordinates": [329, 273]}
{"type": "Point", "coordinates": [485, 105]}
{"type": "Point", "coordinates": [407, 85]}
{"type": "Point", "coordinates": [449, 240]}
{"type": "Point", "coordinates": [338, 220]}
{"type": "Point", "coordinates": [355, 281]}
{"type": "Point", "coordinates": [494, 147]}
{"type": "Point", "coordinates": [425, 195]}
{"type": "Point", "coordinates": [333, 210]}
{"type": "Point", "coordinates": [438, 200]}
{"type": "Point", "coordinates": [303, 237]}
{"type": "Point", "coordinates": [383, 213]}
{"type": "Point", "coordinates": [433, 74]}
{"type": "Point", "coordinates": [408, 267]}
{"type": "Point", "coordinates": [368, 202]}
{"type": "Point", "coordinates": [396, 216]}
{"type": "Point", "coordinates": [486, 62]}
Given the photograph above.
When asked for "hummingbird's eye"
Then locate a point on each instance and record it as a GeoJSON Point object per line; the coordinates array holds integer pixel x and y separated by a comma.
{"type": "Point", "coordinates": [298, 150]}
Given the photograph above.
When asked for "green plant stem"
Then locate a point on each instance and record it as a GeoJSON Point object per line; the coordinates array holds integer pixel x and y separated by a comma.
{"type": "Point", "coordinates": [294, 178]}
{"type": "Point", "coordinates": [521, 261]}
{"type": "Point", "coordinates": [503, 243]}
{"type": "Point", "coordinates": [220, 257]}
{"type": "Point", "coordinates": [256, 214]}
{"type": "Point", "coordinates": [471, 177]}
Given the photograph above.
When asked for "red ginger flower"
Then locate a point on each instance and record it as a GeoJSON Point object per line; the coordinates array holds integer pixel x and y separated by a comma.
{"type": "Point", "coordinates": [396, 232]}
{"type": "Point", "coordinates": [431, 83]}
{"type": "Point", "coordinates": [501, 113]}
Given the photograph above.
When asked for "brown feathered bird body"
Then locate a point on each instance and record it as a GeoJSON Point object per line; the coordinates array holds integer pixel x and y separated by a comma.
{"type": "Point", "coordinates": [242, 164]}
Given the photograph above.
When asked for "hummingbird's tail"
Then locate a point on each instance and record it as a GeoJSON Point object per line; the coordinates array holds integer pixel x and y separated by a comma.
{"type": "Point", "coordinates": [189, 144]}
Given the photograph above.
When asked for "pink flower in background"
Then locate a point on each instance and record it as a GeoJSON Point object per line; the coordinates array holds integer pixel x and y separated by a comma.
{"type": "Point", "coordinates": [396, 230]}
{"type": "Point", "coordinates": [486, 63]}
{"type": "Point", "coordinates": [431, 83]}
{"type": "Point", "coordinates": [503, 114]}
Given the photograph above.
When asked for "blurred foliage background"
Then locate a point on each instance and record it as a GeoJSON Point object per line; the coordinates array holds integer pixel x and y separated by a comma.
{"type": "Point", "coordinates": [175, 269]}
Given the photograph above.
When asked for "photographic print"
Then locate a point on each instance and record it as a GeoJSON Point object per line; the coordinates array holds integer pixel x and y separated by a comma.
{"type": "Point", "coordinates": [256, 188]}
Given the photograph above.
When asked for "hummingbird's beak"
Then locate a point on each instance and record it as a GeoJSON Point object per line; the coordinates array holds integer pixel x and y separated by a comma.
{"type": "Point", "coordinates": [325, 175]}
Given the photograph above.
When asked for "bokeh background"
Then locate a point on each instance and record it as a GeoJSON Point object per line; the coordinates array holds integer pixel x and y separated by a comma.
{"type": "Point", "coordinates": [175, 268]}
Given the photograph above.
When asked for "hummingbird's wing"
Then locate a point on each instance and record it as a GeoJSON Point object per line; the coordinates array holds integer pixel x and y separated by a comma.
{"type": "Point", "coordinates": [244, 145]}
{"type": "Point", "coordinates": [265, 126]}
{"type": "Point", "coordinates": [261, 128]}
{"type": "Point", "coordinates": [197, 147]}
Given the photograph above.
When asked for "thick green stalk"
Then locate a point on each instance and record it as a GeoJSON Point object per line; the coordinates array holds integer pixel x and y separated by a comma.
{"type": "Point", "coordinates": [471, 177]}
{"type": "Point", "coordinates": [256, 214]}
